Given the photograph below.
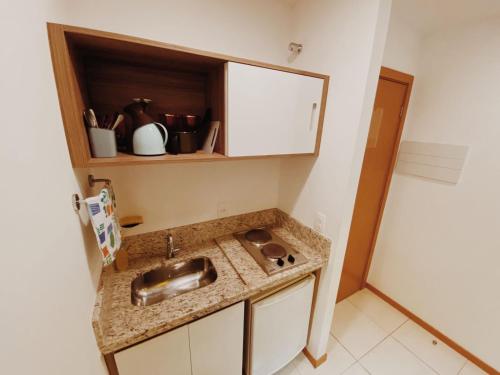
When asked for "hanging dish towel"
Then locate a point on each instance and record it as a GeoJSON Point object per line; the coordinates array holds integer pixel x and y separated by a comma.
{"type": "Point", "coordinates": [102, 214]}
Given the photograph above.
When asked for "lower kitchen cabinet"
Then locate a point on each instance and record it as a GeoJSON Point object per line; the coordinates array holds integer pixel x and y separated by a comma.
{"type": "Point", "coordinates": [217, 342]}
{"type": "Point", "coordinates": [209, 346]}
{"type": "Point", "coordinates": [162, 355]}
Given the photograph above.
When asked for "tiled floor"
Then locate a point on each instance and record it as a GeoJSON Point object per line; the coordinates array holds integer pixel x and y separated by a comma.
{"type": "Point", "coordinates": [369, 336]}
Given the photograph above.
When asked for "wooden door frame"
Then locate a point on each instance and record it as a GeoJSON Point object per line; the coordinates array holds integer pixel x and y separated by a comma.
{"type": "Point", "coordinates": [405, 79]}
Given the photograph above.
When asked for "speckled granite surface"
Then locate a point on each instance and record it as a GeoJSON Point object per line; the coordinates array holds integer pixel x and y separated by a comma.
{"type": "Point", "coordinates": [307, 235]}
{"type": "Point", "coordinates": [153, 243]}
{"type": "Point", "coordinates": [118, 324]}
{"type": "Point", "coordinates": [122, 324]}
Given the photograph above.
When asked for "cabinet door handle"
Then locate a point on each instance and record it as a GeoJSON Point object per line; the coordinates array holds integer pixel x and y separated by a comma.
{"type": "Point", "coordinates": [313, 111]}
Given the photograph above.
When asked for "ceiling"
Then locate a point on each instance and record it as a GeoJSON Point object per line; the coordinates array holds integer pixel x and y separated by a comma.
{"type": "Point", "coordinates": [428, 16]}
{"type": "Point", "coordinates": [292, 2]}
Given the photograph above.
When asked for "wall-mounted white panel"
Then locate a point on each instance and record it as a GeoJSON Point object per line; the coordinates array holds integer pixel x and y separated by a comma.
{"type": "Point", "coordinates": [435, 161]}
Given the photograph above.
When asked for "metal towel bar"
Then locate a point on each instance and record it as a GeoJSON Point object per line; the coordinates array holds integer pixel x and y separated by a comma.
{"type": "Point", "coordinates": [75, 198]}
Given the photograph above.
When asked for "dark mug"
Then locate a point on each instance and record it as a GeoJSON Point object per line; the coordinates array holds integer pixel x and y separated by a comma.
{"type": "Point", "coordinates": [188, 142]}
{"type": "Point", "coordinates": [171, 120]}
{"type": "Point", "coordinates": [173, 143]}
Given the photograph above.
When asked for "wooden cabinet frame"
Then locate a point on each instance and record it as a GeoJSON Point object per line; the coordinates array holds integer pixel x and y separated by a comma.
{"type": "Point", "coordinates": [65, 40]}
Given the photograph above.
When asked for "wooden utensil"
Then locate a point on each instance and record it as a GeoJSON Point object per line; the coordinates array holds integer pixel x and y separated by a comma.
{"type": "Point", "coordinates": [117, 122]}
{"type": "Point", "coordinates": [93, 118]}
{"type": "Point", "coordinates": [89, 119]}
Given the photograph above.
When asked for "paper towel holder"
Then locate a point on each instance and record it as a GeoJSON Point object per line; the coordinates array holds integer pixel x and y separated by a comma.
{"type": "Point", "coordinates": [76, 202]}
{"type": "Point", "coordinates": [92, 180]}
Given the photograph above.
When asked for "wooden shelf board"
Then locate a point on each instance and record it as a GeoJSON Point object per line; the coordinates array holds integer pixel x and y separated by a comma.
{"type": "Point", "coordinates": [128, 159]}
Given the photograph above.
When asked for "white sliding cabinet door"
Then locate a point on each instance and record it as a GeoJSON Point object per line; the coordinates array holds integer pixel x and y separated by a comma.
{"type": "Point", "coordinates": [167, 354]}
{"type": "Point", "coordinates": [271, 112]}
{"type": "Point", "coordinates": [217, 342]}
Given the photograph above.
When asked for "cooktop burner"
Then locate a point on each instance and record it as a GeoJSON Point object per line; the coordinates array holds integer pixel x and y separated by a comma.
{"type": "Point", "coordinates": [270, 251]}
{"type": "Point", "coordinates": [273, 251]}
{"type": "Point", "coordinates": [259, 236]}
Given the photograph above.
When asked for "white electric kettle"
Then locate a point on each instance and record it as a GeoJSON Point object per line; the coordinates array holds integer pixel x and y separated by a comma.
{"type": "Point", "coordinates": [147, 139]}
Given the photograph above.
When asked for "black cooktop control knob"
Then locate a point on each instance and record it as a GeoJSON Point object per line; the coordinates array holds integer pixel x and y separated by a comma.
{"type": "Point", "coordinates": [280, 262]}
{"type": "Point", "coordinates": [291, 259]}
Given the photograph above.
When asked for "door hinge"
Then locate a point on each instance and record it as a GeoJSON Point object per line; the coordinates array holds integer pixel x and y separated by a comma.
{"type": "Point", "coordinates": [401, 112]}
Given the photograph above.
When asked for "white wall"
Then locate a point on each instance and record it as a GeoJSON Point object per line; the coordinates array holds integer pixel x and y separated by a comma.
{"type": "Point", "coordinates": [180, 194]}
{"type": "Point", "coordinates": [437, 252]}
{"type": "Point", "coordinates": [345, 39]}
{"type": "Point", "coordinates": [46, 287]}
{"type": "Point", "coordinates": [403, 44]}
{"type": "Point", "coordinates": [50, 267]}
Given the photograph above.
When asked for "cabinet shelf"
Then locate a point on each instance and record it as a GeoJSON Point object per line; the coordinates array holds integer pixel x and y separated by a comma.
{"type": "Point", "coordinates": [128, 159]}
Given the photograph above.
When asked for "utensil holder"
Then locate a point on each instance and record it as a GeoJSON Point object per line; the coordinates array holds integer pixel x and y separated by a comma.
{"type": "Point", "coordinates": [102, 142]}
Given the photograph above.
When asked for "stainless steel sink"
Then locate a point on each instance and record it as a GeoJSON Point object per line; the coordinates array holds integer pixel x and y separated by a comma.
{"type": "Point", "coordinates": [168, 281]}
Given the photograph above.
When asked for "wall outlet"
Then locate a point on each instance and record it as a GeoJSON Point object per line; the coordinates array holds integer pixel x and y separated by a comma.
{"type": "Point", "coordinates": [320, 222]}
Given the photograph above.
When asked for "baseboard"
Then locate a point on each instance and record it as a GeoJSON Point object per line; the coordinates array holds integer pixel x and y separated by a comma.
{"type": "Point", "coordinates": [315, 362]}
{"type": "Point", "coordinates": [433, 331]}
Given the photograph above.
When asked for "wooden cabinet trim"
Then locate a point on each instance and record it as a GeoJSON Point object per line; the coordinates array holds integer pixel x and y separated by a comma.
{"type": "Point", "coordinates": [174, 47]}
{"type": "Point", "coordinates": [109, 359]}
{"type": "Point", "coordinates": [70, 105]}
{"type": "Point", "coordinates": [321, 119]}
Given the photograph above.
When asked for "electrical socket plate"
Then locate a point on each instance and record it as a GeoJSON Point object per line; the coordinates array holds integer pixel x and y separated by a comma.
{"type": "Point", "coordinates": [320, 222]}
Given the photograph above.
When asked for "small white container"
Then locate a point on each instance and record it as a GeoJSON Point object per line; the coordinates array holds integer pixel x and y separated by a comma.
{"type": "Point", "coordinates": [147, 140]}
{"type": "Point", "coordinates": [102, 142]}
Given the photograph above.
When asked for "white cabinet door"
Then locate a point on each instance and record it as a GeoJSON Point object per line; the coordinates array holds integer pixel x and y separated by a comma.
{"type": "Point", "coordinates": [270, 112]}
{"type": "Point", "coordinates": [217, 342]}
{"type": "Point", "coordinates": [167, 354]}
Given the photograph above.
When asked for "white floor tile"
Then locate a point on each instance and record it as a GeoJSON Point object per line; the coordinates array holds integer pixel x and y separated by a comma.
{"type": "Point", "coordinates": [392, 358]}
{"type": "Point", "coordinates": [383, 314]}
{"type": "Point", "coordinates": [289, 369]}
{"type": "Point", "coordinates": [356, 369]}
{"type": "Point", "coordinates": [440, 357]}
{"type": "Point", "coordinates": [338, 360]}
{"type": "Point", "coordinates": [471, 369]}
{"type": "Point", "coordinates": [354, 330]}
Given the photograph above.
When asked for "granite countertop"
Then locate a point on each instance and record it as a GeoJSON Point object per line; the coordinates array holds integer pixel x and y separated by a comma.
{"type": "Point", "coordinates": [118, 323]}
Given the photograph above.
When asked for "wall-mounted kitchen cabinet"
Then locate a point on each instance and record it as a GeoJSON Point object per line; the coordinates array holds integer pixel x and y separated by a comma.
{"type": "Point", "coordinates": [264, 110]}
{"type": "Point", "coordinates": [211, 345]}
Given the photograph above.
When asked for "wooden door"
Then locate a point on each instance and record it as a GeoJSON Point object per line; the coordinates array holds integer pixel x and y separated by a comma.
{"type": "Point", "coordinates": [217, 342]}
{"type": "Point", "coordinates": [271, 112]}
{"type": "Point", "coordinates": [380, 155]}
{"type": "Point", "coordinates": [162, 355]}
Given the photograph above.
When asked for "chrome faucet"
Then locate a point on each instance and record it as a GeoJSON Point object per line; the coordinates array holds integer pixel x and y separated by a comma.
{"type": "Point", "coordinates": [171, 250]}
